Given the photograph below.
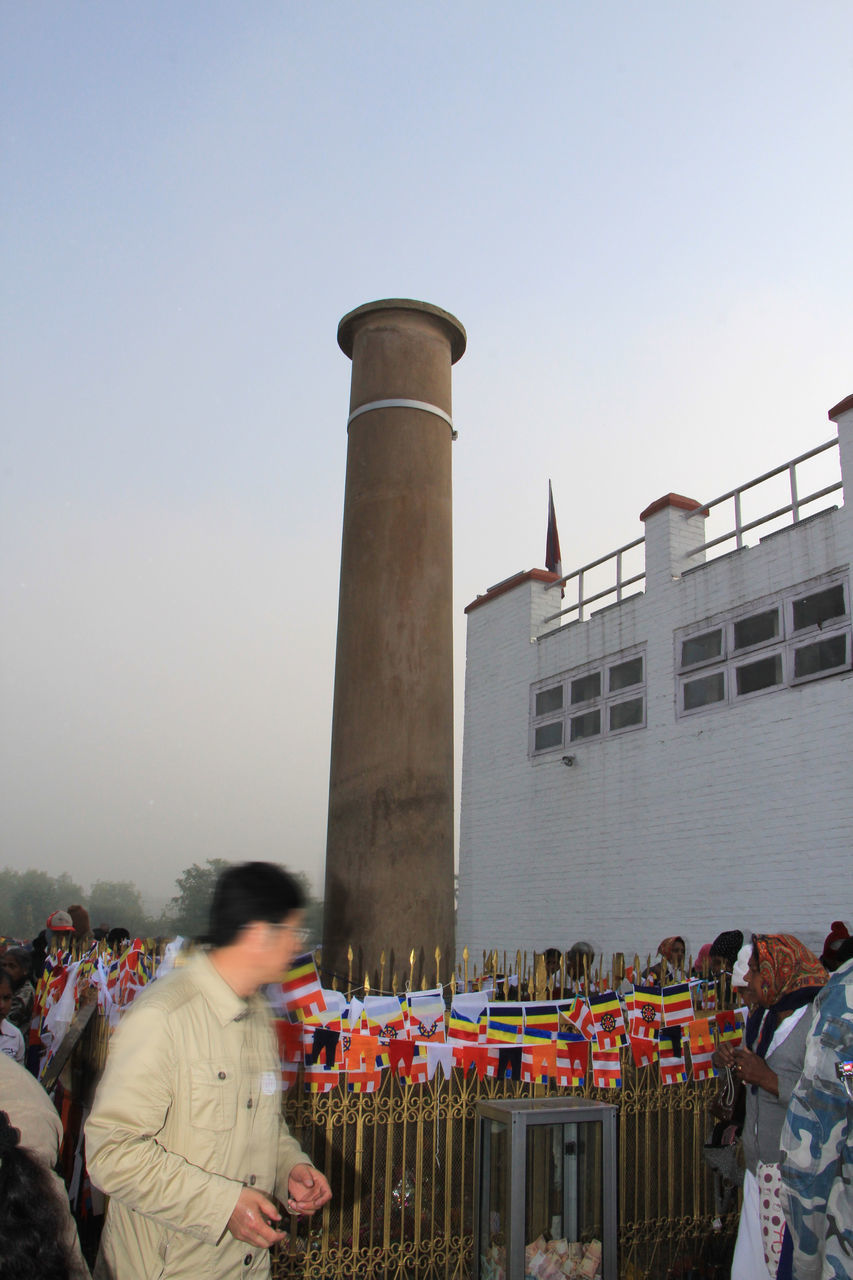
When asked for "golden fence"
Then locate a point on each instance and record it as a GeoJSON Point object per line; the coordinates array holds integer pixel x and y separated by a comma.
{"type": "Point", "coordinates": [401, 1165]}
{"type": "Point", "coordinates": [400, 1162]}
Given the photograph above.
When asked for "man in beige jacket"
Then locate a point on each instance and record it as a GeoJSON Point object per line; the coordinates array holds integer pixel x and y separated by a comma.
{"type": "Point", "coordinates": [186, 1134]}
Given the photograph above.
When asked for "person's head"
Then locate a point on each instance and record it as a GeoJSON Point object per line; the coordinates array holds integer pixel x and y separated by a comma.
{"type": "Point", "coordinates": [553, 959]}
{"type": "Point", "coordinates": [253, 893]}
{"type": "Point", "coordinates": [59, 929]}
{"type": "Point", "coordinates": [117, 937]}
{"type": "Point", "coordinates": [673, 950]}
{"type": "Point", "coordinates": [724, 951]}
{"type": "Point", "coordinates": [32, 1229]}
{"type": "Point", "coordinates": [6, 993]}
{"type": "Point", "coordinates": [16, 962]}
{"type": "Point", "coordinates": [80, 920]}
{"type": "Point", "coordinates": [830, 957]}
{"type": "Point", "coordinates": [780, 964]}
{"type": "Point", "coordinates": [255, 924]}
{"type": "Point", "coordinates": [578, 952]}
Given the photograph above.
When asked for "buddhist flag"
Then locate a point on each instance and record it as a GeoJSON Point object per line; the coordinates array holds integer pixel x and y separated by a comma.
{"type": "Point", "coordinates": [644, 1049]}
{"type": "Point", "coordinates": [607, 1020]}
{"type": "Point", "coordinates": [468, 1056]}
{"type": "Point", "coordinates": [606, 1068]}
{"type": "Point", "coordinates": [426, 1015]}
{"type": "Point", "coordinates": [673, 1069]}
{"type": "Point", "coordinates": [462, 1029]}
{"type": "Point", "coordinates": [301, 990]}
{"type": "Point", "coordinates": [504, 1023]}
{"type": "Point", "coordinates": [363, 1081]}
{"type": "Point", "coordinates": [464, 1021]}
{"type": "Point", "coordinates": [677, 1005]}
{"type": "Point", "coordinates": [645, 1012]}
{"type": "Point", "coordinates": [539, 1062]}
{"type": "Point", "coordinates": [730, 1028]}
{"type": "Point", "coordinates": [577, 1012]}
{"type": "Point", "coordinates": [541, 1021]}
{"type": "Point", "coordinates": [290, 1044]}
{"type": "Point", "coordinates": [418, 1072]}
{"type": "Point", "coordinates": [572, 1062]}
{"type": "Point", "coordinates": [701, 1048]}
{"type": "Point", "coordinates": [385, 1018]}
{"type": "Point", "coordinates": [318, 1079]}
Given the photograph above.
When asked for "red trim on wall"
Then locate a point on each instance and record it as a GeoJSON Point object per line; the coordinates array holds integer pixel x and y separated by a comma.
{"type": "Point", "coordinates": [530, 575]}
{"type": "Point", "coordinates": [670, 500]}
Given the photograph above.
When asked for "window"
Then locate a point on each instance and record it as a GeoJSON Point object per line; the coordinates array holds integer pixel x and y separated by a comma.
{"type": "Point", "coordinates": [803, 634]}
{"type": "Point", "coordinates": [589, 703]}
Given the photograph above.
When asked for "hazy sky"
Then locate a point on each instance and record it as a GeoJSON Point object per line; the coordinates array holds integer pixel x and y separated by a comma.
{"type": "Point", "coordinates": [641, 214]}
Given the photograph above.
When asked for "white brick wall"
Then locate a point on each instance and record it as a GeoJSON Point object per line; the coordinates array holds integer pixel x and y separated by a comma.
{"type": "Point", "coordinates": [737, 817]}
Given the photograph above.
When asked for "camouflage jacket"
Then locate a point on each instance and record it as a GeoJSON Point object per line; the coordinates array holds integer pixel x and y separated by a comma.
{"type": "Point", "coordinates": [817, 1142]}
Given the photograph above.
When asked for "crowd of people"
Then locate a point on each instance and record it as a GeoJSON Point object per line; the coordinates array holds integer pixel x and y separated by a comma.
{"type": "Point", "coordinates": [187, 1139]}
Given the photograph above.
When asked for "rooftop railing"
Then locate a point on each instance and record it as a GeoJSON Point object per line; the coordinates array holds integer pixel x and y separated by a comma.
{"type": "Point", "coordinates": [612, 583]}
{"type": "Point", "coordinates": [794, 507]}
{"type": "Point", "coordinates": [578, 579]}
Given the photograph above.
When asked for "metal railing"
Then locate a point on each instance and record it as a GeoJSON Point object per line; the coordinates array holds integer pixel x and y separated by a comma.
{"type": "Point", "coordinates": [793, 508]}
{"type": "Point", "coordinates": [578, 576]}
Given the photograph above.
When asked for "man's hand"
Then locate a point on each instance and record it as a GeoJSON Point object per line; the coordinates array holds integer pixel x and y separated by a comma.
{"type": "Point", "coordinates": [249, 1222]}
{"type": "Point", "coordinates": [307, 1190]}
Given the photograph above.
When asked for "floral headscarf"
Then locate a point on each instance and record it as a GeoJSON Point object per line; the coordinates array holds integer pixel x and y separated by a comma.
{"type": "Point", "coordinates": [785, 965]}
{"type": "Point", "coordinates": [666, 947]}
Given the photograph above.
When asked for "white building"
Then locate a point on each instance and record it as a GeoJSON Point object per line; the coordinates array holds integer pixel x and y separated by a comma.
{"type": "Point", "coordinates": [680, 761]}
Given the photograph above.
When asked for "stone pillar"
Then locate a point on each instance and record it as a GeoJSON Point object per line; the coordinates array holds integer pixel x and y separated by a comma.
{"type": "Point", "coordinates": [389, 856]}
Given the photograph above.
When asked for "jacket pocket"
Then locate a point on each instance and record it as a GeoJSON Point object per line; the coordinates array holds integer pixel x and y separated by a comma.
{"type": "Point", "coordinates": [213, 1094]}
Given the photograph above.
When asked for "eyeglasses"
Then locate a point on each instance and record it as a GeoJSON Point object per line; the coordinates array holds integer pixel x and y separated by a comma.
{"type": "Point", "coordinates": [300, 933]}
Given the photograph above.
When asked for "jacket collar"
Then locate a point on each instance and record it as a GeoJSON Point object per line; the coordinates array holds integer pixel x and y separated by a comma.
{"type": "Point", "coordinates": [224, 1002]}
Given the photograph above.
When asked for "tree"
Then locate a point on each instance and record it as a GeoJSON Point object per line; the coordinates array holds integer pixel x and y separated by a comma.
{"type": "Point", "coordinates": [118, 904]}
{"type": "Point", "coordinates": [28, 897]}
{"type": "Point", "coordinates": [189, 909]}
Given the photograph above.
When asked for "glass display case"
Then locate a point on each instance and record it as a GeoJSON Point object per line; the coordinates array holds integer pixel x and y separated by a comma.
{"type": "Point", "coordinates": [545, 1171]}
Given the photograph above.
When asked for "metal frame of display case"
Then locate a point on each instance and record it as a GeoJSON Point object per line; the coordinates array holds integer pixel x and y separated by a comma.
{"type": "Point", "coordinates": [520, 1115]}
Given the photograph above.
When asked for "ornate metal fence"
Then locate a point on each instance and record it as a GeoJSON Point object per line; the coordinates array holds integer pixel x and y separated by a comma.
{"type": "Point", "coordinates": [401, 1165]}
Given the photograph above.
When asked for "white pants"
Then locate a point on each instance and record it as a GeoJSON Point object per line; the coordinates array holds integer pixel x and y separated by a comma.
{"type": "Point", "coordinates": [748, 1261]}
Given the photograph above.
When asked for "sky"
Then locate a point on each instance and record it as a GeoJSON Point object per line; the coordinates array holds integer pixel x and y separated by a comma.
{"type": "Point", "coordinates": [640, 213]}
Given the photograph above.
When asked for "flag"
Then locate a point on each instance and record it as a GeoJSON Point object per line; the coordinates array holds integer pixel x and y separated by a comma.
{"type": "Point", "coordinates": [541, 1021]}
{"type": "Point", "coordinates": [577, 1012]}
{"type": "Point", "coordinates": [606, 1068]}
{"type": "Point", "coordinates": [504, 1023]}
{"type": "Point", "coordinates": [385, 1018]}
{"type": "Point", "coordinates": [607, 1020]}
{"type": "Point", "coordinates": [363, 1081]}
{"type": "Point", "coordinates": [539, 1062]}
{"type": "Point", "coordinates": [730, 1028]}
{"type": "Point", "coordinates": [701, 1048]}
{"type": "Point", "coordinates": [553, 559]}
{"type": "Point", "coordinates": [301, 990]}
{"type": "Point", "coordinates": [462, 1029]}
{"type": "Point", "coordinates": [572, 1062]}
{"type": "Point", "coordinates": [426, 1015]}
{"type": "Point", "coordinates": [644, 1049]}
{"type": "Point", "coordinates": [673, 1069]}
{"type": "Point", "coordinates": [645, 1006]}
{"type": "Point", "coordinates": [467, 1056]}
{"type": "Point", "coordinates": [677, 1005]}
{"type": "Point", "coordinates": [319, 1080]}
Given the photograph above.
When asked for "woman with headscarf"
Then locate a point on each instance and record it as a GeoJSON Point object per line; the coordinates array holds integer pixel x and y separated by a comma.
{"type": "Point", "coordinates": [784, 977]}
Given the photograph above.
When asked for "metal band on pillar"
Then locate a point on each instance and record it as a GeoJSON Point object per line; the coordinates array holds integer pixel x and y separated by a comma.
{"type": "Point", "coordinates": [404, 404]}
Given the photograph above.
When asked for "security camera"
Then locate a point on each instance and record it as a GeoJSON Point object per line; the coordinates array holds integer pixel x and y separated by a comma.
{"type": "Point", "coordinates": [568, 761]}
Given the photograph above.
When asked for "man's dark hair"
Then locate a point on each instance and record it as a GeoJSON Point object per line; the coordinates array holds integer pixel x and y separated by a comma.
{"type": "Point", "coordinates": [249, 892]}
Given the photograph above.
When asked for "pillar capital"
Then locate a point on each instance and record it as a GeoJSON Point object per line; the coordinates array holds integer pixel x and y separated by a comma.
{"type": "Point", "coordinates": [383, 309]}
